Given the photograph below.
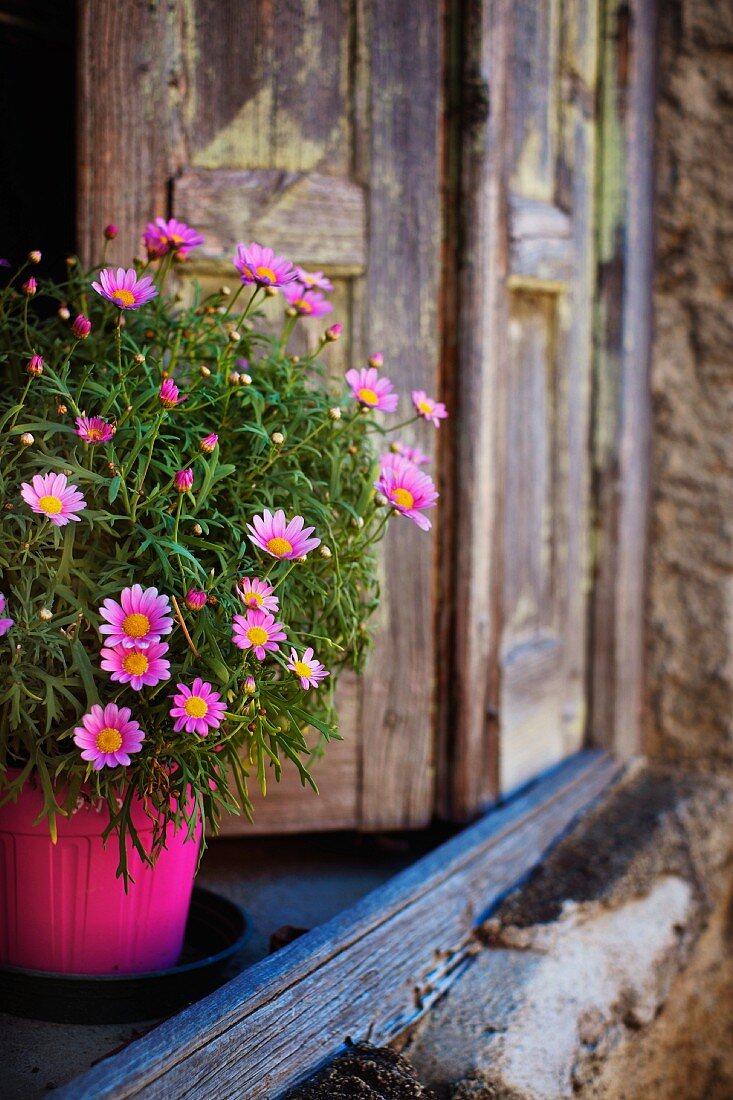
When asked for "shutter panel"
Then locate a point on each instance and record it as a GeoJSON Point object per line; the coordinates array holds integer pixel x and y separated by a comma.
{"type": "Point", "coordinates": [525, 391]}
{"type": "Point", "coordinates": [299, 125]}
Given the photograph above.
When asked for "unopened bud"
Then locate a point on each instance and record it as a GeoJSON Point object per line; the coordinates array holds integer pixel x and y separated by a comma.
{"type": "Point", "coordinates": [250, 686]}
{"type": "Point", "coordinates": [35, 366]}
{"type": "Point", "coordinates": [139, 357]}
{"type": "Point", "coordinates": [376, 361]}
{"type": "Point", "coordinates": [45, 615]}
{"type": "Point", "coordinates": [197, 529]}
{"type": "Point", "coordinates": [278, 438]}
{"type": "Point", "coordinates": [225, 291]}
{"type": "Point", "coordinates": [195, 599]}
{"type": "Point", "coordinates": [30, 286]}
{"type": "Point", "coordinates": [34, 257]}
{"type": "Point", "coordinates": [110, 231]}
{"type": "Point", "coordinates": [380, 500]}
{"type": "Point", "coordinates": [333, 332]}
{"type": "Point", "coordinates": [204, 372]}
{"type": "Point", "coordinates": [324, 551]}
{"type": "Point", "coordinates": [208, 443]}
{"type": "Point", "coordinates": [358, 522]}
{"type": "Point", "coordinates": [291, 311]}
{"type": "Point", "coordinates": [270, 291]}
{"type": "Point", "coordinates": [183, 480]}
{"type": "Point", "coordinates": [63, 313]}
{"type": "Point", "coordinates": [27, 439]}
{"type": "Point", "coordinates": [245, 380]}
{"type": "Point", "coordinates": [302, 559]}
{"type": "Point", "coordinates": [81, 327]}
{"type": "Point", "coordinates": [295, 359]}
{"type": "Point", "coordinates": [335, 412]}
{"type": "Point", "coordinates": [234, 336]}
{"type": "Point", "coordinates": [233, 378]}
{"type": "Point", "coordinates": [61, 410]}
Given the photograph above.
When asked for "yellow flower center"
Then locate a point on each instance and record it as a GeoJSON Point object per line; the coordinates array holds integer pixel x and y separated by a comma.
{"type": "Point", "coordinates": [303, 305]}
{"type": "Point", "coordinates": [174, 239]}
{"type": "Point", "coordinates": [279, 547]}
{"type": "Point", "coordinates": [266, 273]}
{"type": "Point", "coordinates": [369, 397]}
{"type": "Point", "coordinates": [123, 297]}
{"type": "Point", "coordinates": [95, 434]}
{"type": "Point", "coordinates": [253, 599]}
{"type": "Point", "coordinates": [403, 497]}
{"type": "Point", "coordinates": [301, 669]}
{"type": "Point", "coordinates": [136, 664]}
{"type": "Point", "coordinates": [109, 739]}
{"type": "Point", "coordinates": [195, 707]}
{"type": "Point", "coordinates": [425, 407]}
{"type": "Point", "coordinates": [257, 635]}
{"type": "Point", "coordinates": [50, 504]}
{"type": "Point", "coordinates": [136, 625]}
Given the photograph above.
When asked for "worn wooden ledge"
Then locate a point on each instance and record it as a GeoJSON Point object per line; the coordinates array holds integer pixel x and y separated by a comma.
{"type": "Point", "coordinates": [368, 973]}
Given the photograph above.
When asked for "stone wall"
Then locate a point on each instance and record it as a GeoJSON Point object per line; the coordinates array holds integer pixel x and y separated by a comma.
{"type": "Point", "coordinates": [690, 620]}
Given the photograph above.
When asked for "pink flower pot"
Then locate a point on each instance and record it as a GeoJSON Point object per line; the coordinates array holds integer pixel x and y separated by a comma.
{"type": "Point", "coordinates": [63, 909]}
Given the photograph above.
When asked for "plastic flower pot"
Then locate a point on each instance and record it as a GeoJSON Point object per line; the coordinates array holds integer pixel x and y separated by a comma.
{"type": "Point", "coordinates": [62, 907]}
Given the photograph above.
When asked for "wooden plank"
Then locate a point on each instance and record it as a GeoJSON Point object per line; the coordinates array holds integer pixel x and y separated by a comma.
{"type": "Point", "coordinates": [404, 166]}
{"type": "Point", "coordinates": [381, 964]}
{"type": "Point", "coordinates": [318, 221]}
{"type": "Point", "coordinates": [623, 350]}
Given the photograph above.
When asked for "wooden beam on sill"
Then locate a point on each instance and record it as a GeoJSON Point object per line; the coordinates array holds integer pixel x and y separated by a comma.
{"type": "Point", "coordinates": [369, 972]}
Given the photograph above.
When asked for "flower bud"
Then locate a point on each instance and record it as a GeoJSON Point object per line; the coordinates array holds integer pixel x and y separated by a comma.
{"type": "Point", "coordinates": [225, 291]}
{"type": "Point", "coordinates": [335, 413]}
{"type": "Point", "coordinates": [63, 313]}
{"type": "Point", "coordinates": [70, 261]}
{"type": "Point", "coordinates": [277, 438]}
{"type": "Point", "coordinates": [358, 521]}
{"type": "Point", "coordinates": [270, 291]}
{"type": "Point", "coordinates": [61, 410]}
{"type": "Point", "coordinates": [30, 286]}
{"type": "Point", "coordinates": [205, 372]}
{"type": "Point", "coordinates": [110, 231]}
{"type": "Point", "coordinates": [302, 559]}
{"type": "Point", "coordinates": [35, 366]}
{"type": "Point", "coordinates": [34, 257]}
{"type": "Point", "coordinates": [291, 311]}
{"type": "Point", "coordinates": [195, 599]}
{"type": "Point", "coordinates": [380, 500]}
{"type": "Point", "coordinates": [333, 332]}
{"type": "Point", "coordinates": [139, 358]}
{"type": "Point", "coordinates": [27, 439]}
{"type": "Point", "coordinates": [250, 686]}
{"type": "Point", "coordinates": [197, 529]}
{"type": "Point", "coordinates": [324, 551]}
{"type": "Point", "coordinates": [208, 443]}
{"type": "Point", "coordinates": [183, 480]}
{"type": "Point", "coordinates": [234, 336]}
{"type": "Point", "coordinates": [81, 327]}
{"type": "Point", "coordinates": [245, 379]}
{"type": "Point", "coordinates": [376, 361]}
{"type": "Point", "coordinates": [233, 378]}
{"type": "Point", "coordinates": [45, 615]}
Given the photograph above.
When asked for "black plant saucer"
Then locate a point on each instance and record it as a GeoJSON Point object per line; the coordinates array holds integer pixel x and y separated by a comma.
{"type": "Point", "coordinates": [217, 929]}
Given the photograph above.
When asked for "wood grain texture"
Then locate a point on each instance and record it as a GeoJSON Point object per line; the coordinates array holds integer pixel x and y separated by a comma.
{"type": "Point", "coordinates": [371, 971]}
{"type": "Point", "coordinates": [403, 274]}
{"type": "Point", "coordinates": [132, 75]}
{"type": "Point", "coordinates": [318, 221]}
{"type": "Point", "coordinates": [622, 399]}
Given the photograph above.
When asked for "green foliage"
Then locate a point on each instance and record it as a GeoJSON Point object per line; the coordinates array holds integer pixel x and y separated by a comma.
{"type": "Point", "coordinates": [138, 529]}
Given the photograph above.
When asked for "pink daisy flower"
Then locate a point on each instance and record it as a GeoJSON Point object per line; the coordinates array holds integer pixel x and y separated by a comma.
{"type": "Point", "coordinates": [140, 618]}
{"type": "Point", "coordinates": [427, 408]}
{"type": "Point", "coordinates": [371, 390]}
{"type": "Point", "coordinates": [170, 395]}
{"type": "Point", "coordinates": [280, 538]}
{"type": "Point", "coordinates": [309, 303]}
{"type": "Point", "coordinates": [261, 266]}
{"type": "Point", "coordinates": [163, 236]}
{"type": "Point", "coordinates": [257, 594]}
{"type": "Point", "coordinates": [412, 454]}
{"type": "Point", "coordinates": [124, 289]}
{"type": "Point", "coordinates": [92, 429]}
{"type": "Point", "coordinates": [108, 735]}
{"type": "Point", "coordinates": [408, 490]}
{"type": "Point", "coordinates": [197, 709]}
{"type": "Point", "coordinates": [137, 667]}
{"type": "Point", "coordinates": [5, 624]}
{"type": "Point", "coordinates": [258, 631]}
{"type": "Point", "coordinates": [309, 671]}
{"type": "Point", "coordinates": [313, 280]}
{"type": "Point", "coordinates": [50, 495]}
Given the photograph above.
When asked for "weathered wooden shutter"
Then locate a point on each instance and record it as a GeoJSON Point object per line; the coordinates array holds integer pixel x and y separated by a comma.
{"type": "Point", "coordinates": [303, 127]}
{"type": "Point", "coordinates": [525, 393]}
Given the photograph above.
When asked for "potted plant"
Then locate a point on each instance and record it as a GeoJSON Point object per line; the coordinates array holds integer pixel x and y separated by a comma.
{"type": "Point", "coordinates": [189, 518]}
